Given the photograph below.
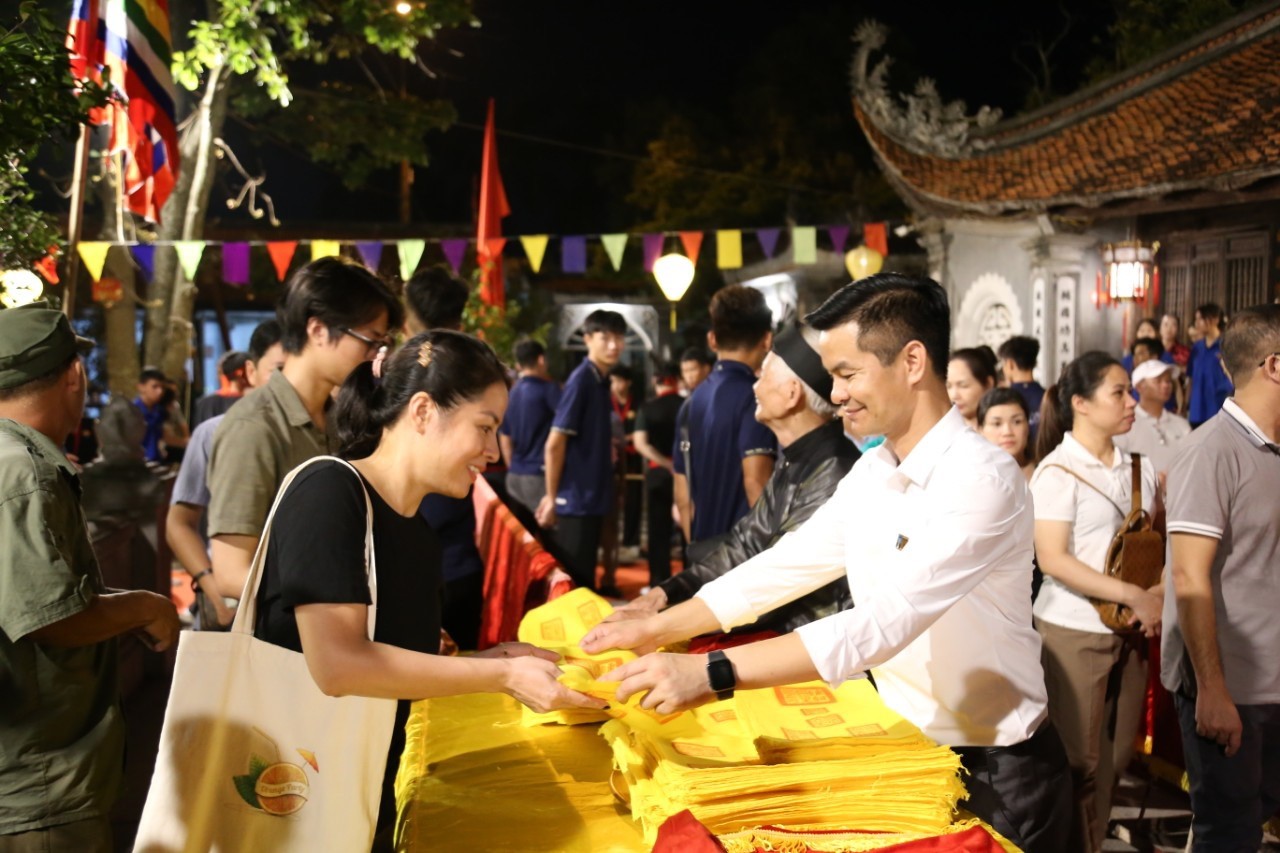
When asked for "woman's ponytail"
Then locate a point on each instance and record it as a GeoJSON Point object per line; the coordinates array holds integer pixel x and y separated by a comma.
{"type": "Point", "coordinates": [353, 415]}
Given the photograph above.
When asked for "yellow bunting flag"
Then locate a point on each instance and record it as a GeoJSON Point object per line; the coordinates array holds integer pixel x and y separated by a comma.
{"type": "Point", "coordinates": [325, 249]}
{"type": "Point", "coordinates": [728, 250]}
{"type": "Point", "coordinates": [189, 252]}
{"type": "Point", "coordinates": [804, 245]}
{"type": "Point", "coordinates": [614, 246]}
{"type": "Point", "coordinates": [410, 252]}
{"type": "Point", "coordinates": [94, 255]}
{"type": "Point", "coordinates": [535, 246]}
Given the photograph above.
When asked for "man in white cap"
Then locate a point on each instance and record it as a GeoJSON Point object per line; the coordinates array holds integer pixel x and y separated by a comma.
{"type": "Point", "coordinates": [1156, 431]}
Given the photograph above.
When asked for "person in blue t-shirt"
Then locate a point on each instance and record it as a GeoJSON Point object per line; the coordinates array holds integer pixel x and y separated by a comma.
{"type": "Point", "coordinates": [523, 434]}
{"type": "Point", "coordinates": [149, 403]}
{"type": "Point", "coordinates": [1210, 385]}
{"type": "Point", "coordinates": [1018, 361]}
{"type": "Point", "coordinates": [723, 456]}
{"type": "Point", "coordinates": [578, 459]}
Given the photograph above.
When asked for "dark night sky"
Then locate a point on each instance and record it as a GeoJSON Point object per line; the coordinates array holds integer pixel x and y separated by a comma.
{"type": "Point", "coordinates": [580, 71]}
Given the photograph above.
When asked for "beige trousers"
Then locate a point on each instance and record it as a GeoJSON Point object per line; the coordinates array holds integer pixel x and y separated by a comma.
{"type": "Point", "coordinates": [1096, 685]}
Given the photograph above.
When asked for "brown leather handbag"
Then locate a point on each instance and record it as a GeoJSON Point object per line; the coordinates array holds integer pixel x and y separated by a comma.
{"type": "Point", "coordinates": [1136, 552]}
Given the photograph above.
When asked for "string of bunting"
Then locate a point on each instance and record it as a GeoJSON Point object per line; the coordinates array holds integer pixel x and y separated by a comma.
{"type": "Point", "coordinates": [457, 251]}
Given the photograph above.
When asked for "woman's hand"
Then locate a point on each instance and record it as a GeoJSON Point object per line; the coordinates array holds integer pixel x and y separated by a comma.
{"type": "Point", "coordinates": [646, 605]}
{"type": "Point", "coordinates": [531, 680]}
{"type": "Point", "coordinates": [518, 650]}
{"type": "Point", "coordinates": [1147, 610]}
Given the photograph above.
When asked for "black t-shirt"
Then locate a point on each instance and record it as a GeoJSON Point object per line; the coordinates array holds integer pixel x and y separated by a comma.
{"type": "Point", "coordinates": [658, 420]}
{"type": "Point", "coordinates": [315, 555]}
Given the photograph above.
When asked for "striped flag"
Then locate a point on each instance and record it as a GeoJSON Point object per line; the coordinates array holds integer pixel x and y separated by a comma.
{"type": "Point", "coordinates": [130, 39]}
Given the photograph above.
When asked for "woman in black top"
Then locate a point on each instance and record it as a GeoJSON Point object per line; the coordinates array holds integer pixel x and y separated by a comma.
{"type": "Point", "coordinates": [421, 421]}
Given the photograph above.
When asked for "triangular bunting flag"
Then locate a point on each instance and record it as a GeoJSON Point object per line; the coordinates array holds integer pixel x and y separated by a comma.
{"type": "Point", "coordinates": [804, 245]}
{"type": "Point", "coordinates": [94, 255]}
{"type": "Point", "coordinates": [768, 238]}
{"type": "Point", "coordinates": [410, 252]}
{"type": "Point", "coordinates": [370, 253]}
{"type": "Point", "coordinates": [144, 255]}
{"type": "Point", "coordinates": [493, 247]}
{"type": "Point", "coordinates": [876, 236]}
{"type": "Point", "coordinates": [692, 242]}
{"type": "Point", "coordinates": [573, 254]}
{"type": "Point", "coordinates": [235, 263]}
{"type": "Point", "coordinates": [189, 252]}
{"type": "Point", "coordinates": [839, 235]}
{"type": "Point", "coordinates": [325, 249]}
{"type": "Point", "coordinates": [535, 246]}
{"type": "Point", "coordinates": [652, 249]}
{"type": "Point", "coordinates": [728, 250]}
{"type": "Point", "coordinates": [615, 245]}
{"type": "Point", "coordinates": [454, 251]}
{"type": "Point", "coordinates": [281, 252]}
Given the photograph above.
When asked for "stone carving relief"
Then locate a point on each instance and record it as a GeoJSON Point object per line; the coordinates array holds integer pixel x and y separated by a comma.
{"type": "Point", "coordinates": [921, 119]}
{"type": "Point", "coordinates": [989, 313]}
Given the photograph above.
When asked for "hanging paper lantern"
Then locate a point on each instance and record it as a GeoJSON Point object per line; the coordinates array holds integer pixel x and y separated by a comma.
{"type": "Point", "coordinates": [20, 287]}
{"type": "Point", "coordinates": [1130, 266]}
{"type": "Point", "coordinates": [674, 274]}
{"type": "Point", "coordinates": [862, 262]}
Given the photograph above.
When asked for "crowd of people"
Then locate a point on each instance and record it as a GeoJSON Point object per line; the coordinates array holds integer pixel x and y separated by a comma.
{"type": "Point", "coordinates": [849, 493]}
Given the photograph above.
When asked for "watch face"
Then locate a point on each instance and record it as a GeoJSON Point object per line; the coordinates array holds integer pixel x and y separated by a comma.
{"type": "Point", "coordinates": [720, 673]}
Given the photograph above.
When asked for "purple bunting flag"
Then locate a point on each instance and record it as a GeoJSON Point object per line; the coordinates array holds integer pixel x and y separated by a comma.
{"type": "Point", "coordinates": [454, 251]}
{"type": "Point", "coordinates": [768, 238]}
{"type": "Point", "coordinates": [573, 254]}
{"type": "Point", "coordinates": [652, 249]}
{"type": "Point", "coordinates": [145, 256]}
{"type": "Point", "coordinates": [370, 253]}
{"type": "Point", "coordinates": [235, 263]}
{"type": "Point", "coordinates": [839, 236]}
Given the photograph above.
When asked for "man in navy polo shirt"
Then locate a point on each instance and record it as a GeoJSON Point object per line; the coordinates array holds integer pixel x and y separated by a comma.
{"type": "Point", "coordinates": [579, 451]}
{"type": "Point", "coordinates": [723, 455]}
{"type": "Point", "coordinates": [523, 434]}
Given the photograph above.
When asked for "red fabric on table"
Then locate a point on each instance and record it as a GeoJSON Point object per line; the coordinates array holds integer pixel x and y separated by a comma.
{"type": "Point", "coordinates": [711, 642]}
{"type": "Point", "coordinates": [684, 833]}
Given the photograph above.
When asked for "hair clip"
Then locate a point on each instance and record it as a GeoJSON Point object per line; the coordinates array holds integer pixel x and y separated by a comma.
{"type": "Point", "coordinates": [377, 362]}
{"type": "Point", "coordinates": [424, 354]}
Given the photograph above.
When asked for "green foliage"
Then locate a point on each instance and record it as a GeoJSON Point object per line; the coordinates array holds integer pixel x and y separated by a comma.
{"type": "Point", "coordinates": [37, 105]}
{"type": "Point", "coordinates": [258, 39]}
{"type": "Point", "coordinates": [322, 122]}
{"type": "Point", "coordinates": [501, 328]}
{"type": "Point", "coordinates": [1145, 28]}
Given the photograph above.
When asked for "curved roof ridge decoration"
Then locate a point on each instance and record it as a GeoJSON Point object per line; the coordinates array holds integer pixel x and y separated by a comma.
{"type": "Point", "coordinates": [1205, 115]}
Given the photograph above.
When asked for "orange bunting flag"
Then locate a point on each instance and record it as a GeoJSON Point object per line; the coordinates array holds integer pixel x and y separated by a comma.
{"type": "Point", "coordinates": [281, 252]}
{"type": "Point", "coordinates": [692, 242]}
{"type": "Point", "coordinates": [876, 236]}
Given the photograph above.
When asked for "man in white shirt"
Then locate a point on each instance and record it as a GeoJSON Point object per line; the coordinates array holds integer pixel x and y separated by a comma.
{"type": "Point", "coordinates": [933, 530]}
{"type": "Point", "coordinates": [1156, 431]}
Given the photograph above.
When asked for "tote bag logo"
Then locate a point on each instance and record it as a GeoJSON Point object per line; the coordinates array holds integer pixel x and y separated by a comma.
{"type": "Point", "coordinates": [279, 788]}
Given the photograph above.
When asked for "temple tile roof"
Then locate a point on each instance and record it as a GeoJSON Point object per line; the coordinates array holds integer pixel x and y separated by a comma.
{"type": "Point", "coordinates": [1204, 116]}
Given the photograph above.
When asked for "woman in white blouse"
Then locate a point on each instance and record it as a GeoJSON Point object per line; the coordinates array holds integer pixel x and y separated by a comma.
{"type": "Point", "coordinates": [1082, 488]}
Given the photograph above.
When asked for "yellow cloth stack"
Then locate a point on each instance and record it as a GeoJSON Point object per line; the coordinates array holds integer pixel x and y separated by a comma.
{"type": "Point", "coordinates": [802, 755]}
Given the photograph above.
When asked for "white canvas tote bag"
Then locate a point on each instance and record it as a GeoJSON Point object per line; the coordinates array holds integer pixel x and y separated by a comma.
{"type": "Point", "coordinates": [252, 755]}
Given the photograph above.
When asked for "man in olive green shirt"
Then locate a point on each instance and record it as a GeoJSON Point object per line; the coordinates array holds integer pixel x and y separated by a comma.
{"type": "Point", "coordinates": [61, 733]}
{"type": "Point", "coordinates": [334, 315]}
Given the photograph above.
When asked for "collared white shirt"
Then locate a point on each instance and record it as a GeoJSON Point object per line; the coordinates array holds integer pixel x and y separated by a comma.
{"type": "Point", "coordinates": [1156, 438]}
{"type": "Point", "coordinates": [1094, 520]}
{"type": "Point", "coordinates": [937, 550]}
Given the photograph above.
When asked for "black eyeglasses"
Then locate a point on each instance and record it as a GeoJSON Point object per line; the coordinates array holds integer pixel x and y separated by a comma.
{"type": "Point", "coordinates": [1263, 363]}
{"type": "Point", "coordinates": [373, 343]}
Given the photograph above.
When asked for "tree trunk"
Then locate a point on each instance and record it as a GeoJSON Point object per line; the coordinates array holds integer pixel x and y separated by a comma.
{"type": "Point", "coordinates": [169, 326]}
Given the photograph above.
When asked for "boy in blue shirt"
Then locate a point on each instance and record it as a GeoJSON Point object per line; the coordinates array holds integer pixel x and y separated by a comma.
{"type": "Point", "coordinates": [729, 455]}
{"type": "Point", "coordinates": [523, 434]}
{"type": "Point", "coordinates": [579, 452]}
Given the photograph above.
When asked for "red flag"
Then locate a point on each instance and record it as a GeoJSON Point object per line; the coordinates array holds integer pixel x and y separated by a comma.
{"type": "Point", "coordinates": [493, 207]}
{"type": "Point", "coordinates": [875, 236]}
{"type": "Point", "coordinates": [692, 242]}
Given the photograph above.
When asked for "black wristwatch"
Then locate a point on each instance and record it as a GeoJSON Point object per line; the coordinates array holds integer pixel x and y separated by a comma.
{"type": "Point", "coordinates": [720, 675]}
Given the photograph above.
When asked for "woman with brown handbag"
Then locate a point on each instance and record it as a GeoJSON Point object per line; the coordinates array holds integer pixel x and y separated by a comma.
{"type": "Point", "coordinates": [1095, 676]}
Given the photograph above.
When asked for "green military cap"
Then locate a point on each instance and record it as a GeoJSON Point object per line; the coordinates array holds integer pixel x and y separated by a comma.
{"type": "Point", "coordinates": [35, 339]}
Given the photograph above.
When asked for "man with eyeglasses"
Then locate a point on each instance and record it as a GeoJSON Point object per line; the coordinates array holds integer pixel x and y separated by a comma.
{"type": "Point", "coordinates": [335, 314]}
{"type": "Point", "coordinates": [1218, 651]}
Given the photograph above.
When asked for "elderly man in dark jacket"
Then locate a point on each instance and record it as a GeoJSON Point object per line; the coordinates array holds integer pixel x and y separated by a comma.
{"type": "Point", "coordinates": [792, 399]}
